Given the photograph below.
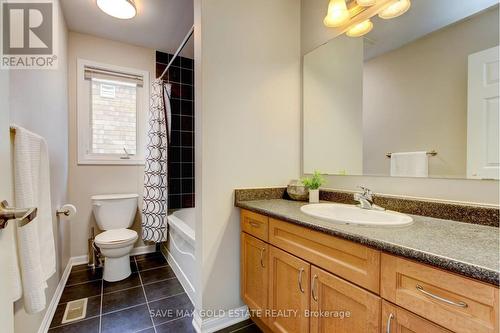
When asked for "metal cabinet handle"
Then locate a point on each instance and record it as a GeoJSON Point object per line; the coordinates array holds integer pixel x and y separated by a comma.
{"type": "Point", "coordinates": [254, 224]}
{"type": "Point", "coordinates": [24, 216]}
{"type": "Point", "coordinates": [261, 257]}
{"type": "Point", "coordinates": [439, 298]}
{"type": "Point", "coordinates": [313, 288]}
{"type": "Point", "coordinates": [389, 322]}
{"type": "Point", "coordinates": [300, 280]}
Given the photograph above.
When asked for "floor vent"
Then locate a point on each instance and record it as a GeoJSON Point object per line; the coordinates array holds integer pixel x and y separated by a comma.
{"type": "Point", "coordinates": [75, 310]}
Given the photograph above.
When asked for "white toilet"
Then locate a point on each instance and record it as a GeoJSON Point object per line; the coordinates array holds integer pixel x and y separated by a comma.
{"type": "Point", "coordinates": [114, 213]}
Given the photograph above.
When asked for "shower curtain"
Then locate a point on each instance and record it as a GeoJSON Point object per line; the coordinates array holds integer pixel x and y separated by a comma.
{"type": "Point", "coordinates": [155, 199]}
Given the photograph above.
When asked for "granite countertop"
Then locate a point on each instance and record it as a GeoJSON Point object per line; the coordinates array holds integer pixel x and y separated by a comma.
{"type": "Point", "coordinates": [464, 248]}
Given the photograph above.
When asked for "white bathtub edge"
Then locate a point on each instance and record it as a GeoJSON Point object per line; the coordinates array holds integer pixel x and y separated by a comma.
{"type": "Point", "coordinates": [188, 287]}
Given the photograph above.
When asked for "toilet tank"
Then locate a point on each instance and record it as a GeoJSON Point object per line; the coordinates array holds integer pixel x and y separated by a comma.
{"type": "Point", "coordinates": [114, 211]}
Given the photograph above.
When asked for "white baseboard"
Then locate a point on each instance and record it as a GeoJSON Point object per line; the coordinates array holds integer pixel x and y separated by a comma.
{"type": "Point", "coordinates": [73, 261]}
{"type": "Point", "coordinates": [210, 325]}
{"type": "Point", "coordinates": [79, 260]}
{"type": "Point", "coordinates": [143, 250]}
{"type": "Point", "coordinates": [51, 309]}
{"type": "Point", "coordinates": [186, 284]}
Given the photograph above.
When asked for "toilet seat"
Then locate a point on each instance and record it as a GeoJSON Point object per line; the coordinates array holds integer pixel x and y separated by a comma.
{"type": "Point", "coordinates": [116, 237]}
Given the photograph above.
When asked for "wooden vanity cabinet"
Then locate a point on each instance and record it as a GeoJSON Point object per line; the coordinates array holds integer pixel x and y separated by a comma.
{"type": "Point", "coordinates": [254, 272]}
{"type": "Point", "coordinates": [306, 281]}
{"type": "Point", "coordinates": [338, 306]}
{"type": "Point", "coordinates": [398, 320]}
{"type": "Point", "coordinates": [289, 291]}
{"type": "Point", "coordinates": [452, 301]}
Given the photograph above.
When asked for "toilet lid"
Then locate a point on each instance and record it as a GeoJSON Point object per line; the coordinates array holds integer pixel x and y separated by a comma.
{"type": "Point", "coordinates": [116, 236]}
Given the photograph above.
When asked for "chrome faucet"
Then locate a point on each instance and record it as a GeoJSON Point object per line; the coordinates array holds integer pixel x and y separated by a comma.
{"type": "Point", "coordinates": [365, 199]}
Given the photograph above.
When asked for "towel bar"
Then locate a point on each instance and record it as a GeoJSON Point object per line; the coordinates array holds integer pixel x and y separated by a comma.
{"type": "Point", "coordinates": [431, 153]}
{"type": "Point", "coordinates": [23, 216]}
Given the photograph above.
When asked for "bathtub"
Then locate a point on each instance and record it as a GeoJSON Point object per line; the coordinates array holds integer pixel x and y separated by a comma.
{"type": "Point", "coordinates": [180, 247]}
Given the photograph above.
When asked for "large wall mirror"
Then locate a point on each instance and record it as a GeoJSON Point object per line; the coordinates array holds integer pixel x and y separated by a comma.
{"type": "Point", "coordinates": [417, 96]}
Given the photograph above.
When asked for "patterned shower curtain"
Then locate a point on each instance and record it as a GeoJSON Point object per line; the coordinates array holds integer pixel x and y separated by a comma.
{"type": "Point", "coordinates": [155, 199]}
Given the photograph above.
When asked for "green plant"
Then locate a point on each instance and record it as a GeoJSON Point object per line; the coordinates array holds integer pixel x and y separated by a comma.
{"type": "Point", "coordinates": [314, 182]}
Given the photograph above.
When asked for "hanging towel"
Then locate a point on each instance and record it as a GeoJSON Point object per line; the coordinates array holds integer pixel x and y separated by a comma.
{"type": "Point", "coordinates": [155, 199]}
{"type": "Point", "coordinates": [16, 289]}
{"type": "Point", "coordinates": [410, 164]}
{"type": "Point", "coordinates": [35, 240]}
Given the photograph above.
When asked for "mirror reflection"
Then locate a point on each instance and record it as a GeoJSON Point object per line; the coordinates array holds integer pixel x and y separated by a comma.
{"type": "Point", "coordinates": [417, 96]}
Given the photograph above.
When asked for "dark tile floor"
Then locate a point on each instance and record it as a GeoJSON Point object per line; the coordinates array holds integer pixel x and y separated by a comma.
{"type": "Point", "coordinates": [149, 300]}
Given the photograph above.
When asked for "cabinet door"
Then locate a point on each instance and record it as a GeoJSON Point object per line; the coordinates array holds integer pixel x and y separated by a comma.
{"type": "Point", "coordinates": [254, 272]}
{"type": "Point", "coordinates": [397, 320]}
{"type": "Point", "coordinates": [289, 290]}
{"type": "Point", "coordinates": [338, 306]}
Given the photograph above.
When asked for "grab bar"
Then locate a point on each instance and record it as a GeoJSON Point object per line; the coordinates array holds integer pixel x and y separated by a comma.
{"type": "Point", "coordinates": [23, 216]}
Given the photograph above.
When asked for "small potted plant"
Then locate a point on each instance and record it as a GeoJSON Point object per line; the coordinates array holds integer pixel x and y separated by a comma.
{"type": "Point", "coordinates": [313, 184]}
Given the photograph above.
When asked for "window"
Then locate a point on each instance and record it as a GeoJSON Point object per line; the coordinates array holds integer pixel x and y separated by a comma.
{"type": "Point", "coordinates": [112, 103]}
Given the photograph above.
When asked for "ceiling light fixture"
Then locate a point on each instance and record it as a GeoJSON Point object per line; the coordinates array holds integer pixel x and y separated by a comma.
{"type": "Point", "coordinates": [395, 9]}
{"type": "Point", "coordinates": [360, 29]}
{"type": "Point", "coordinates": [366, 3]}
{"type": "Point", "coordinates": [337, 14]}
{"type": "Point", "coordinates": [122, 9]}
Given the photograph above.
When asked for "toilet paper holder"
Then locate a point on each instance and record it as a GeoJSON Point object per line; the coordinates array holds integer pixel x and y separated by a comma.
{"type": "Point", "coordinates": [64, 212]}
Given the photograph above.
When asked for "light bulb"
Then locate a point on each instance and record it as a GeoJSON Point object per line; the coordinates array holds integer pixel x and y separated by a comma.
{"type": "Point", "coordinates": [366, 3]}
{"type": "Point", "coordinates": [360, 29]}
{"type": "Point", "coordinates": [337, 14]}
{"type": "Point", "coordinates": [394, 9]}
{"type": "Point", "coordinates": [122, 9]}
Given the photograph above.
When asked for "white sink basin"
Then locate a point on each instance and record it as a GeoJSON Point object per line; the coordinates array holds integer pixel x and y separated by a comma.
{"type": "Point", "coordinates": [349, 214]}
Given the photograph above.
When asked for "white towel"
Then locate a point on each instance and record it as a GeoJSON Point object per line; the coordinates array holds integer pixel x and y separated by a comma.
{"type": "Point", "coordinates": [410, 164]}
{"type": "Point", "coordinates": [35, 241]}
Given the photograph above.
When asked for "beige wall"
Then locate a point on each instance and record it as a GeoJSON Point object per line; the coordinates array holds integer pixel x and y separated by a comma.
{"type": "Point", "coordinates": [415, 97]}
{"type": "Point", "coordinates": [39, 102]}
{"type": "Point", "coordinates": [333, 111]}
{"type": "Point", "coordinates": [247, 66]}
{"type": "Point", "coordinates": [87, 180]}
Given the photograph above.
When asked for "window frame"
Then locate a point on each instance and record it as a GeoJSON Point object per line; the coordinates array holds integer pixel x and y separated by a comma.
{"type": "Point", "coordinates": [84, 109]}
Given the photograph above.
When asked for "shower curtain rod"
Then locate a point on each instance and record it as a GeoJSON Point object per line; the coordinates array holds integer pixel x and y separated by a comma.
{"type": "Point", "coordinates": [184, 42]}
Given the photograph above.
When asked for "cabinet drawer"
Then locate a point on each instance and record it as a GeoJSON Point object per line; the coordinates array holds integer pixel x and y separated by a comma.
{"type": "Point", "coordinates": [353, 262]}
{"type": "Point", "coordinates": [396, 319]}
{"type": "Point", "coordinates": [254, 224]}
{"type": "Point", "coordinates": [450, 300]}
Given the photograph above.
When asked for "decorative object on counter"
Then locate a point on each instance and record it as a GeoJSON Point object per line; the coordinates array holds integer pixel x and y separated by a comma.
{"type": "Point", "coordinates": [313, 184]}
{"type": "Point", "coordinates": [297, 191]}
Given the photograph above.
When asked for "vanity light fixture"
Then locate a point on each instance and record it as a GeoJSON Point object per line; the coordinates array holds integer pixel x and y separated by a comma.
{"type": "Point", "coordinates": [337, 14]}
{"type": "Point", "coordinates": [122, 9]}
{"type": "Point", "coordinates": [394, 9]}
{"type": "Point", "coordinates": [360, 29]}
{"type": "Point", "coordinates": [366, 3]}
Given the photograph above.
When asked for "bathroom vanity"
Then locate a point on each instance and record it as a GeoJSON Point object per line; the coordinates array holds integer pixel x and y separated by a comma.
{"type": "Point", "coordinates": [303, 274]}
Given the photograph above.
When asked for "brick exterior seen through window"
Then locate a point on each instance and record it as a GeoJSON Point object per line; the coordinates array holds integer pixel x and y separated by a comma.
{"type": "Point", "coordinates": [114, 119]}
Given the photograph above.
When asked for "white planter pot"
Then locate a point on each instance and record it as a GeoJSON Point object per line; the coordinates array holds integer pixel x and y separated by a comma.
{"type": "Point", "coordinates": [313, 196]}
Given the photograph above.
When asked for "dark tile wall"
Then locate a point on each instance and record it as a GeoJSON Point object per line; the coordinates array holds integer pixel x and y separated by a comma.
{"type": "Point", "coordinates": [181, 151]}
